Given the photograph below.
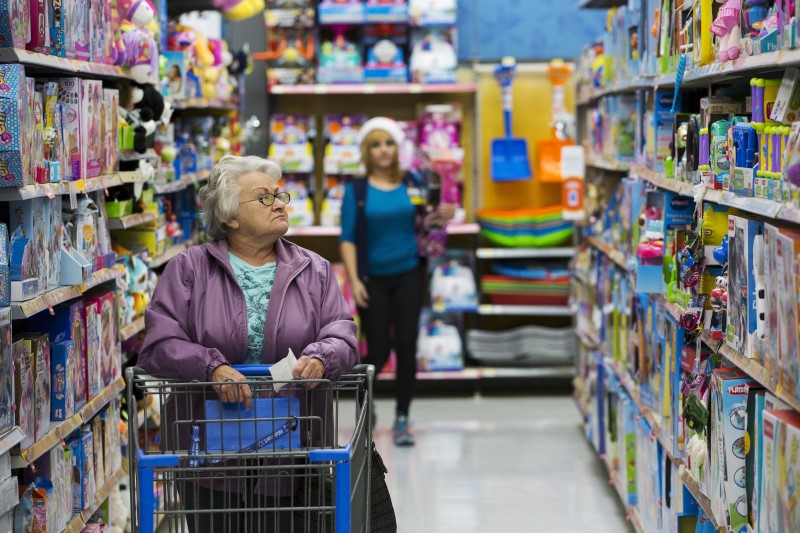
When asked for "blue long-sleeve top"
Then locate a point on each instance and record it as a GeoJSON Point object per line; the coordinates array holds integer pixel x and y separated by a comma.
{"type": "Point", "coordinates": [391, 240]}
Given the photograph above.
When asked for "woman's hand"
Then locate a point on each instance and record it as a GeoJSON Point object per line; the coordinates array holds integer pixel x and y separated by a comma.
{"type": "Point", "coordinates": [446, 211]}
{"type": "Point", "coordinates": [232, 392]}
{"type": "Point", "coordinates": [360, 294]}
{"type": "Point", "coordinates": [309, 368]}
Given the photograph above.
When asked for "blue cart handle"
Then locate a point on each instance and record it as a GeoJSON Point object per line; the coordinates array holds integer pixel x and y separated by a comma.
{"type": "Point", "coordinates": [252, 370]}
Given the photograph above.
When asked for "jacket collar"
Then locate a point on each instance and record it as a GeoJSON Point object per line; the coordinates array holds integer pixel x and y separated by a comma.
{"type": "Point", "coordinates": [286, 252]}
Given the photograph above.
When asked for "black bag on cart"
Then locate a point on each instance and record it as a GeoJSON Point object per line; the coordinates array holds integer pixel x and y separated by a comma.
{"type": "Point", "coordinates": [382, 516]}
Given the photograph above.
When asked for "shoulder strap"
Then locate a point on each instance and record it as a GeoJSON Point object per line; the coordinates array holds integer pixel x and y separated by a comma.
{"type": "Point", "coordinates": [360, 191]}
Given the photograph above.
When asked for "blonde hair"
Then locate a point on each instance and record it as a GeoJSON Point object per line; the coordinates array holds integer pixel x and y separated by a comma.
{"type": "Point", "coordinates": [373, 137]}
{"type": "Point", "coordinates": [220, 196]}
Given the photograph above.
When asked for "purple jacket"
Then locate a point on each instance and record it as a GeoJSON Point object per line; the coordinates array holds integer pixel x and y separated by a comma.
{"type": "Point", "coordinates": [197, 321]}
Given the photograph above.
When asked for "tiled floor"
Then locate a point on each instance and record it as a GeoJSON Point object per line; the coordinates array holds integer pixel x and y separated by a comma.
{"type": "Point", "coordinates": [511, 464]}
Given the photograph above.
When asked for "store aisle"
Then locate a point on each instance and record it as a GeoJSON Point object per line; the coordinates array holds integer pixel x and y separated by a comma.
{"type": "Point", "coordinates": [510, 465]}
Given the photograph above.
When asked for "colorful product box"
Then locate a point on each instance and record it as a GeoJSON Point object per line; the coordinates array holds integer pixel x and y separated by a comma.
{"type": "Point", "coordinates": [58, 29]}
{"type": "Point", "coordinates": [110, 131]}
{"type": "Point", "coordinates": [92, 340]}
{"type": "Point", "coordinates": [99, 453]}
{"type": "Point", "coordinates": [92, 101]}
{"type": "Point", "coordinates": [741, 313]}
{"type": "Point", "coordinates": [32, 216]}
{"type": "Point", "coordinates": [62, 371]}
{"type": "Point", "coordinates": [68, 324]}
{"type": "Point", "coordinates": [24, 391]}
{"type": "Point", "coordinates": [648, 477]}
{"type": "Point", "coordinates": [83, 482]}
{"type": "Point", "coordinates": [787, 252]}
{"type": "Point", "coordinates": [40, 348]}
{"type": "Point", "coordinates": [778, 512]}
{"type": "Point", "coordinates": [14, 31]}
{"type": "Point", "coordinates": [771, 360]}
{"type": "Point", "coordinates": [55, 467]}
{"type": "Point", "coordinates": [97, 31]}
{"type": "Point", "coordinates": [104, 305]}
{"type": "Point", "coordinates": [728, 445]}
{"type": "Point", "coordinates": [55, 237]}
{"type": "Point", "coordinates": [134, 239]}
{"type": "Point", "coordinates": [112, 450]}
{"type": "Point", "coordinates": [6, 373]}
{"type": "Point", "coordinates": [69, 97]}
{"type": "Point", "coordinates": [78, 31]}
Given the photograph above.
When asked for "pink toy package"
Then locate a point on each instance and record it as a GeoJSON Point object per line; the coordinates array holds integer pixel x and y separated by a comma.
{"type": "Point", "coordinates": [103, 303]}
{"type": "Point", "coordinates": [14, 32]}
{"type": "Point", "coordinates": [40, 347]}
{"type": "Point", "coordinates": [440, 127]}
{"type": "Point", "coordinates": [94, 378]}
{"type": "Point", "coordinates": [23, 390]}
{"type": "Point", "coordinates": [69, 97]}
{"type": "Point", "coordinates": [91, 141]}
{"type": "Point", "coordinates": [409, 150]}
{"type": "Point", "coordinates": [97, 29]}
{"type": "Point", "coordinates": [76, 21]}
{"type": "Point", "coordinates": [39, 27]}
{"type": "Point", "coordinates": [110, 131]}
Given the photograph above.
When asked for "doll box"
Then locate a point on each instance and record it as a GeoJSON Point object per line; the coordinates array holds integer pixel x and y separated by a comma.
{"type": "Point", "coordinates": [83, 482]}
{"type": "Point", "coordinates": [55, 236]}
{"type": "Point", "coordinates": [781, 442]}
{"type": "Point", "coordinates": [40, 349]}
{"type": "Point", "coordinates": [386, 12]}
{"type": "Point", "coordinates": [91, 142]}
{"type": "Point", "coordinates": [787, 251]}
{"type": "Point", "coordinates": [741, 312]}
{"type": "Point", "coordinates": [32, 217]}
{"type": "Point", "coordinates": [14, 31]}
{"type": "Point", "coordinates": [99, 457]}
{"type": "Point", "coordinates": [104, 304]}
{"type": "Point", "coordinates": [94, 379]}
{"type": "Point", "coordinates": [351, 12]}
{"type": "Point", "coordinates": [62, 372]}
{"type": "Point", "coordinates": [6, 374]}
{"type": "Point", "coordinates": [69, 97]}
{"type": "Point", "coordinates": [23, 391]}
{"type": "Point", "coordinates": [111, 438]}
{"type": "Point", "coordinates": [76, 21]}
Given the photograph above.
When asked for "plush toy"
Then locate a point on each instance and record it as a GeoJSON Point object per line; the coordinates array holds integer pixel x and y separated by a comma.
{"type": "Point", "coordinates": [138, 286]}
{"type": "Point", "coordinates": [120, 509]}
{"type": "Point", "coordinates": [139, 12]}
{"type": "Point", "coordinates": [727, 26]}
{"type": "Point", "coordinates": [242, 9]}
{"type": "Point", "coordinates": [141, 54]}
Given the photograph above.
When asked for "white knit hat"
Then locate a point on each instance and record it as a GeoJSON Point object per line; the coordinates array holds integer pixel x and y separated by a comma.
{"type": "Point", "coordinates": [385, 124]}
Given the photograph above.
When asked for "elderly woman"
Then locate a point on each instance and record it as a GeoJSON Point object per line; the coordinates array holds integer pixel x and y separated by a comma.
{"type": "Point", "coordinates": [248, 296]}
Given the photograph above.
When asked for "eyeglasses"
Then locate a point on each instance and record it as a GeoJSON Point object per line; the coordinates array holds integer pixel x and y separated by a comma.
{"type": "Point", "coordinates": [268, 198]}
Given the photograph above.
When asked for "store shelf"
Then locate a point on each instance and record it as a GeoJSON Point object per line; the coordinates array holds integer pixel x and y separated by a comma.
{"type": "Point", "coordinates": [660, 181]}
{"type": "Point", "coordinates": [373, 88]}
{"type": "Point", "coordinates": [171, 253]}
{"type": "Point", "coordinates": [525, 310]}
{"type": "Point", "coordinates": [603, 164]}
{"type": "Point", "coordinates": [524, 253]}
{"type": "Point", "coordinates": [62, 294]}
{"type": "Point", "coordinates": [11, 438]}
{"type": "Point", "coordinates": [48, 63]}
{"type": "Point", "coordinates": [41, 190]}
{"type": "Point", "coordinates": [702, 500]}
{"type": "Point", "coordinates": [62, 430]}
{"type": "Point", "coordinates": [601, 4]}
{"type": "Point", "coordinates": [179, 185]}
{"type": "Point", "coordinates": [616, 256]}
{"type": "Point", "coordinates": [635, 520]}
{"type": "Point", "coordinates": [79, 521]}
{"type": "Point", "coordinates": [490, 373]}
{"type": "Point", "coordinates": [129, 331]}
{"type": "Point", "coordinates": [204, 104]}
{"type": "Point", "coordinates": [131, 221]}
{"type": "Point", "coordinates": [335, 231]}
{"type": "Point", "coordinates": [753, 369]}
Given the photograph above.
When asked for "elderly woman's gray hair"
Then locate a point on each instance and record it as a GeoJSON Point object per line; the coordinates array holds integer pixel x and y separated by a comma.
{"type": "Point", "coordinates": [220, 196]}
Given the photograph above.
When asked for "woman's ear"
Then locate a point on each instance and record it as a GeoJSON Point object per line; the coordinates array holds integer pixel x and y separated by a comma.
{"type": "Point", "coordinates": [233, 223]}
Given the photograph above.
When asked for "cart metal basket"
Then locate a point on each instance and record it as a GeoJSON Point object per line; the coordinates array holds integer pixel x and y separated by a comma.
{"type": "Point", "coordinates": [297, 461]}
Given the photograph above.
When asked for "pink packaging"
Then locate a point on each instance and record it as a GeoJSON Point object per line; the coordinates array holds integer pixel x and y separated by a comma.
{"type": "Point", "coordinates": [23, 391]}
{"type": "Point", "coordinates": [76, 20]}
{"type": "Point", "coordinates": [69, 97]}
{"type": "Point", "coordinates": [103, 303]}
{"type": "Point", "coordinates": [91, 140]}
{"type": "Point", "coordinates": [94, 378]}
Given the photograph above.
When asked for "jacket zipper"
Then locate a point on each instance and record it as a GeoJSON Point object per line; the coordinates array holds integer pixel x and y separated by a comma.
{"type": "Point", "coordinates": [285, 288]}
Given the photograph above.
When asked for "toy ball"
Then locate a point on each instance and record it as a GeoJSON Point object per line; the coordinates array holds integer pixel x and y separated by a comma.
{"type": "Point", "coordinates": [169, 154]}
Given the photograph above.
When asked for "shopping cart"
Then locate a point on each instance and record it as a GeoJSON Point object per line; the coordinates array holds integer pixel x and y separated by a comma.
{"type": "Point", "coordinates": [297, 461]}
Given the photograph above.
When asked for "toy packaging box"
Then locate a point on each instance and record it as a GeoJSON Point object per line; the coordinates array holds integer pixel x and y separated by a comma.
{"type": "Point", "coordinates": [67, 324]}
{"type": "Point", "coordinates": [62, 374]}
{"type": "Point", "coordinates": [103, 303]}
{"type": "Point", "coordinates": [58, 30]}
{"type": "Point", "coordinates": [727, 445]}
{"type": "Point", "coordinates": [290, 54]}
{"type": "Point", "coordinates": [14, 29]}
{"type": "Point", "coordinates": [386, 60]}
{"type": "Point", "coordinates": [15, 132]}
{"type": "Point", "coordinates": [340, 56]}
{"type": "Point", "coordinates": [69, 97]}
{"type": "Point", "coordinates": [81, 446]}
{"type": "Point", "coordinates": [99, 452]}
{"type": "Point", "coordinates": [290, 14]}
{"type": "Point", "coordinates": [778, 512]}
{"type": "Point", "coordinates": [291, 142]}
{"type": "Point", "coordinates": [111, 438]}
{"type": "Point", "coordinates": [40, 348]}
{"type": "Point", "coordinates": [439, 347]}
{"type": "Point", "coordinates": [32, 217]}
{"type": "Point", "coordinates": [741, 313]}
{"type": "Point", "coordinates": [97, 30]}
{"type": "Point", "coordinates": [341, 12]}
{"type": "Point", "coordinates": [24, 391]}
{"type": "Point", "coordinates": [5, 267]}
{"type": "Point", "coordinates": [91, 142]}
{"type": "Point", "coordinates": [55, 238]}
{"type": "Point", "coordinates": [648, 477]}
{"type": "Point", "coordinates": [110, 131]}
{"type": "Point", "coordinates": [787, 251]}
{"type": "Point", "coordinates": [92, 341]}
{"type": "Point", "coordinates": [386, 11]}
{"type": "Point", "coordinates": [433, 12]}
{"type": "Point", "coordinates": [6, 373]}
{"type": "Point", "coordinates": [76, 22]}
{"type": "Point", "coordinates": [55, 466]}
{"type": "Point", "coordinates": [433, 55]}
{"type": "Point", "coordinates": [174, 87]}
{"type": "Point", "coordinates": [342, 153]}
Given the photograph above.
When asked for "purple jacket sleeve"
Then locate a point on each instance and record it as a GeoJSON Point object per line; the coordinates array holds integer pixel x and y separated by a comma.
{"type": "Point", "coordinates": [168, 351]}
{"type": "Point", "coordinates": [336, 345]}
